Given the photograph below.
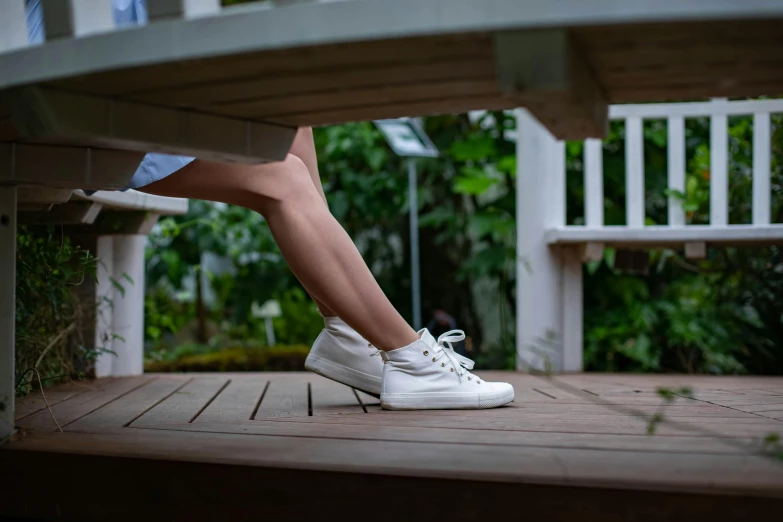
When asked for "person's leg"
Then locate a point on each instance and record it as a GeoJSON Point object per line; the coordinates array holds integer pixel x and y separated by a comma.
{"type": "Point", "coordinates": [303, 148]}
{"type": "Point", "coordinates": [316, 247]}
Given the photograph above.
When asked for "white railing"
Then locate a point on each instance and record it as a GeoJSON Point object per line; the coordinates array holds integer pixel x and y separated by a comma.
{"type": "Point", "coordinates": [550, 253]}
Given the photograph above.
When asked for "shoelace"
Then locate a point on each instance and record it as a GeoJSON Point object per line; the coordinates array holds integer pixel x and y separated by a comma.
{"type": "Point", "coordinates": [460, 363]}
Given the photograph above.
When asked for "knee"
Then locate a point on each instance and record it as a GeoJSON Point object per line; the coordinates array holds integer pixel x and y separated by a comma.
{"type": "Point", "coordinates": [290, 183]}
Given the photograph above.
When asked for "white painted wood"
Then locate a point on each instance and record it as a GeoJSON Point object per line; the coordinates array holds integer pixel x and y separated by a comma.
{"type": "Point", "coordinates": [634, 172]}
{"type": "Point", "coordinates": [7, 307]}
{"type": "Point", "coordinates": [539, 193]}
{"type": "Point", "coordinates": [321, 23]}
{"type": "Point", "coordinates": [664, 235]}
{"type": "Point", "coordinates": [135, 200]}
{"type": "Point", "coordinates": [162, 9]}
{"type": "Point", "coordinates": [594, 183]}
{"type": "Point", "coordinates": [34, 197]}
{"type": "Point", "coordinates": [104, 298]}
{"type": "Point", "coordinates": [696, 250]}
{"type": "Point", "coordinates": [572, 305]}
{"type": "Point", "coordinates": [676, 168]}
{"type": "Point", "coordinates": [761, 168]}
{"type": "Point", "coordinates": [67, 167]}
{"type": "Point", "coordinates": [42, 113]}
{"type": "Point", "coordinates": [128, 320]}
{"type": "Point", "coordinates": [13, 27]}
{"type": "Point", "coordinates": [719, 170]}
{"type": "Point", "coordinates": [657, 111]}
{"type": "Point", "coordinates": [76, 18]}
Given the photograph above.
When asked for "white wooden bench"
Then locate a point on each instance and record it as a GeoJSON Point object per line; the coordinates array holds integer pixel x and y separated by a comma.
{"type": "Point", "coordinates": [551, 253]}
{"type": "Point", "coordinates": [233, 84]}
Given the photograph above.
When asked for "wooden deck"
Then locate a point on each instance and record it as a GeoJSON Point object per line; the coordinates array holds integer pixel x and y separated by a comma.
{"type": "Point", "coordinates": [295, 446]}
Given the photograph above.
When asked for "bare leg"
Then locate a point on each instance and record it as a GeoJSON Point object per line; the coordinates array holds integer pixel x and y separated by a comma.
{"type": "Point", "coordinates": [316, 247]}
{"type": "Point", "coordinates": [303, 148]}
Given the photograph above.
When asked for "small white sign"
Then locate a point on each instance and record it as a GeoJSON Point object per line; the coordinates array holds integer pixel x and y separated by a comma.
{"type": "Point", "coordinates": [406, 138]}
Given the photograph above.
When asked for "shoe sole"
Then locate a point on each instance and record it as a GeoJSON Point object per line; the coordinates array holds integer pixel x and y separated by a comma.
{"type": "Point", "coordinates": [445, 401]}
{"type": "Point", "coordinates": [344, 375]}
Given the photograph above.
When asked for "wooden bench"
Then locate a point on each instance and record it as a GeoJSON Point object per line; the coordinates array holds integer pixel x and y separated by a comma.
{"type": "Point", "coordinates": [551, 253]}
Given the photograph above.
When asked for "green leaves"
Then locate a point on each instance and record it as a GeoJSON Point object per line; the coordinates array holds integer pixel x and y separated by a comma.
{"type": "Point", "coordinates": [473, 181]}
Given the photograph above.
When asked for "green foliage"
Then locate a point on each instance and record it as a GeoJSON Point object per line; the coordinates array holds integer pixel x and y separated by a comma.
{"type": "Point", "coordinates": [719, 315]}
{"type": "Point", "coordinates": [53, 321]}
{"type": "Point", "coordinates": [233, 359]}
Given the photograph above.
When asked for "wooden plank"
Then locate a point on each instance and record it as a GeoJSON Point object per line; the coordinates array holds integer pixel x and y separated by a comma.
{"type": "Point", "coordinates": [719, 175]}
{"type": "Point", "coordinates": [313, 62]}
{"type": "Point", "coordinates": [637, 443]}
{"type": "Point", "coordinates": [66, 412]}
{"type": "Point", "coordinates": [543, 71]}
{"type": "Point", "coordinates": [285, 397]}
{"type": "Point", "coordinates": [761, 168]}
{"type": "Point", "coordinates": [185, 404]}
{"type": "Point", "coordinates": [236, 403]}
{"type": "Point", "coordinates": [272, 108]}
{"type": "Point", "coordinates": [421, 107]}
{"type": "Point", "coordinates": [34, 402]}
{"type": "Point", "coordinates": [198, 484]}
{"type": "Point", "coordinates": [45, 114]}
{"type": "Point", "coordinates": [676, 168]}
{"type": "Point", "coordinates": [634, 173]}
{"type": "Point", "coordinates": [290, 84]}
{"type": "Point", "coordinates": [331, 398]}
{"type": "Point", "coordinates": [126, 409]}
{"type": "Point", "coordinates": [711, 473]}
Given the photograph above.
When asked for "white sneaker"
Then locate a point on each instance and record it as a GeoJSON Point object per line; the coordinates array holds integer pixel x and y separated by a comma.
{"type": "Point", "coordinates": [341, 354]}
{"type": "Point", "coordinates": [429, 375]}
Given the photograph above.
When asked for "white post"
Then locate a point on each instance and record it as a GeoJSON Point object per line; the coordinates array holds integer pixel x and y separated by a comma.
{"type": "Point", "coordinates": [594, 183]}
{"type": "Point", "coordinates": [540, 206]}
{"type": "Point", "coordinates": [634, 172]}
{"type": "Point", "coordinates": [413, 204]}
{"type": "Point", "coordinates": [676, 168]}
{"type": "Point", "coordinates": [573, 307]}
{"type": "Point", "coordinates": [7, 308]}
{"type": "Point", "coordinates": [761, 163]}
{"type": "Point", "coordinates": [270, 331]}
{"type": "Point", "coordinates": [104, 298]}
{"type": "Point", "coordinates": [719, 168]}
{"type": "Point", "coordinates": [129, 305]}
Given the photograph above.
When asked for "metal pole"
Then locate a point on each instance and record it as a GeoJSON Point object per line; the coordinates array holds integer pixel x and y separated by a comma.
{"type": "Point", "coordinates": [270, 331]}
{"type": "Point", "coordinates": [413, 205]}
{"type": "Point", "coordinates": [7, 308]}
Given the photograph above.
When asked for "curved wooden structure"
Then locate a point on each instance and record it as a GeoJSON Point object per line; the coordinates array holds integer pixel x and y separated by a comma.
{"type": "Point", "coordinates": [230, 84]}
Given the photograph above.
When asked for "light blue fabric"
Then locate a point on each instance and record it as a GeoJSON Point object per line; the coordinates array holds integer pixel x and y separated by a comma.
{"type": "Point", "coordinates": [154, 166]}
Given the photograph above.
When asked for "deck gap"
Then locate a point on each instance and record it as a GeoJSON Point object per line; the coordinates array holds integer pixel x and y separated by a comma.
{"type": "Point", "coordinates": [109, 402]}
{"type": "Point", "coordinates": [309, 400]}
{"type": "Point", "coordinates": [134, 419]}
{"type": "Point", "coordinates": [591, 393]}
{"type": "Point", "coordinates": [544, 393]}
{"type": "Point", "coordinates": [364, 409]}
{"type": "Point", "coordinates": [260, 399]}
{"type": "Point", "coordinates": [199, 412]}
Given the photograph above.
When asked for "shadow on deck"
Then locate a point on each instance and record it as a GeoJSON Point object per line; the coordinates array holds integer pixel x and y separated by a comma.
{"type": "Point", "coordinates": [296, 446]}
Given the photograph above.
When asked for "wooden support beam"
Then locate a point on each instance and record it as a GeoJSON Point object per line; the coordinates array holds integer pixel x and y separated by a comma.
{"type": "Point", "coordinates": [76, 18]}
{"type": "Point", "coordinates": [592, 252]}
{"type": "Point", "coordinates": [78, 213]}
{"type": "Point", "coordinates": [696, 250]}
{"type": "Point", "coordinates": [7, 308]}
{"type": "Point", "coordinates": [541, 70]}
{"type": "Point", "coordinates": [49, 115]}
{"type": "Point", "coordinates": [36, 198]}
{"type": "Point", "coordinates": [67, 167]}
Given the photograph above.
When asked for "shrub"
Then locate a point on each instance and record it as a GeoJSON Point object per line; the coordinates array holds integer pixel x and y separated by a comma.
{"type": "Point", "coordinates": [237, 359]}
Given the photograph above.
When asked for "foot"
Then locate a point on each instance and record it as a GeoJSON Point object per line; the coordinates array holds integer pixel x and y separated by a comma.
{"type": "Point", "coordinates": [430, 375]}
{"type": "Point", "coordinates": [342, 355]}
